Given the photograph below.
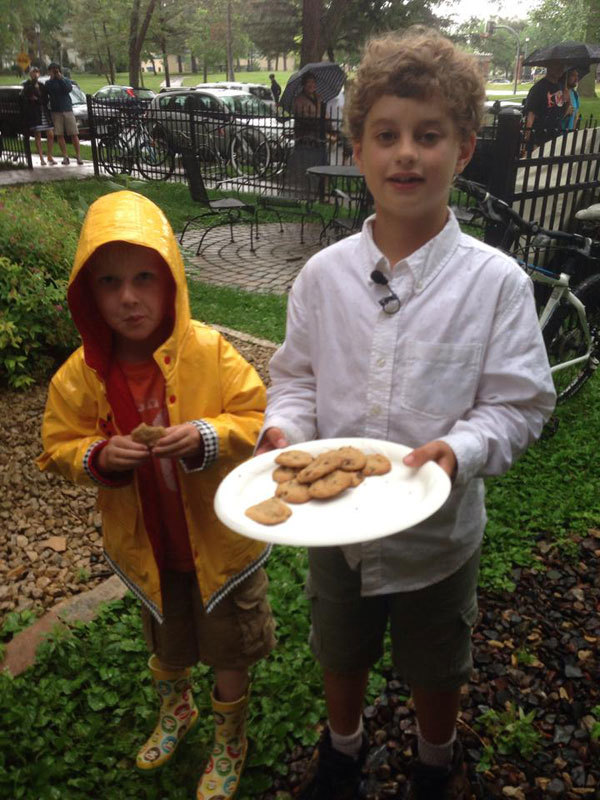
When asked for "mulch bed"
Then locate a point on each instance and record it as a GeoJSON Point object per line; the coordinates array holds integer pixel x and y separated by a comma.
{"type": "Point", "coordinates": [535, 649]}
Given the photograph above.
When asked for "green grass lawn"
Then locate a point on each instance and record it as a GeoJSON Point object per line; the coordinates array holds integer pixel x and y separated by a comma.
{"type": "Point", "coordinates": [90, 83]}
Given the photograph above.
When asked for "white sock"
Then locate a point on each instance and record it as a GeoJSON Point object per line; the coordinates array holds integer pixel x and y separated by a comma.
{"type": "Point", "coordinates": [348, 745]}
{"type": "Point", "coordinates": [436, 755]}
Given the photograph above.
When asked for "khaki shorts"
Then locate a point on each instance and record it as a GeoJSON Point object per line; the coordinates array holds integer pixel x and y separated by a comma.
{"type": "Point", "coordinates": [64, 123]}
{"type": "Point", "coordinates": [237, 633]}
{"type": "Point", "coordinates": [430, 628]}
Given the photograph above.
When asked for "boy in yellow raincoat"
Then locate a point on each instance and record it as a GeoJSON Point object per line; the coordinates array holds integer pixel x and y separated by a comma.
{"type": "Point", "coordinates": [143, 359]}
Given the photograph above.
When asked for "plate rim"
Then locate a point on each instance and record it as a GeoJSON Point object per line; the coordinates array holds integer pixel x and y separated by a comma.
{"type": "Point", "coordinates": [268, 533]}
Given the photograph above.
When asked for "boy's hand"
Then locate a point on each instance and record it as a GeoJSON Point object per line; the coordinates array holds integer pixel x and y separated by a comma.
{"type": "Point", "coordinates": [122, 454]}
{"type": "Point", "coordinates": [440, 452]}
{"type": "Point", "coordinates": [272, 439]}
{"type": "Point", "coordinates": [179, 441]}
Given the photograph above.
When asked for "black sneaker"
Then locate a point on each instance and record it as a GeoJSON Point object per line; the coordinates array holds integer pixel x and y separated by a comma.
{"type": "Point", "coordinates": [331, 775]}
{"type": "Point", "coordinates": [438, 783]}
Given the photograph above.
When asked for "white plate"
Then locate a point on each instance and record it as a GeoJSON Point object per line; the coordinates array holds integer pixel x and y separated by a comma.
{"type": "Point", "coordinates": [379, 506]}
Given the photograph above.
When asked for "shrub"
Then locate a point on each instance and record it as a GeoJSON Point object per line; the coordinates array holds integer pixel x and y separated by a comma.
{"type": "Point", "coordinates": [36, 331]}
{"type": "Point", "coordinates": [38, 229]}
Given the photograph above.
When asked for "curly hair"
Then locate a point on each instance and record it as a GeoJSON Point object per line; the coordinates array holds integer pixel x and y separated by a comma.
{"type": "Point", "coordinates": [420, 63]}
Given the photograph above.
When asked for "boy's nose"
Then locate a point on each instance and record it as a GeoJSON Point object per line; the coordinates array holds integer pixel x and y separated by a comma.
{"type": "Point", "coordinates": [405, 150]}
{"type": "Point", "coordinates": [128, 294]}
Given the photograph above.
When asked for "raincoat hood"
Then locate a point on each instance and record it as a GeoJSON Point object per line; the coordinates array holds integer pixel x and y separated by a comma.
{"type": "Point", "coordinates": [127, 217]}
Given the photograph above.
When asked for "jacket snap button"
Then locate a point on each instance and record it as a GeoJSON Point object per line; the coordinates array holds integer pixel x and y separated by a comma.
{"type": "Point", "coordinates": [172, 398]}
{"type": "Point", "coordinates": [167, 359]}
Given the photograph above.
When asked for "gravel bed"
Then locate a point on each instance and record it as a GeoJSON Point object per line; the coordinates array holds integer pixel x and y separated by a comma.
{"type": "Point", "coordinates": [51, 545]}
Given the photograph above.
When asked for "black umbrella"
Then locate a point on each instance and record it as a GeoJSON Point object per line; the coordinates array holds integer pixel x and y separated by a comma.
{"type": "Point", "coordinates": [570, 54]}
{"type": "Point", "coordinates": [330, 78]}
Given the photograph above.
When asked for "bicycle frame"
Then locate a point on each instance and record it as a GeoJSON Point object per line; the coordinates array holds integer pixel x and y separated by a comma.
{"type": "Point", "coordinates": [561, 290]}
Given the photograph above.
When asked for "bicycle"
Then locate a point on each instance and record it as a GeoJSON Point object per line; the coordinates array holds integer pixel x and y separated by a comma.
{"type": "Point", "coordinates": [569, 319]}
{"type": "Point", "coordinates": [129, 145]}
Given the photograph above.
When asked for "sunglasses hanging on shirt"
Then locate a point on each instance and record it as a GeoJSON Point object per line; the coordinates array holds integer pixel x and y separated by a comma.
{"type": "Point", "coordinates": [391, 303]}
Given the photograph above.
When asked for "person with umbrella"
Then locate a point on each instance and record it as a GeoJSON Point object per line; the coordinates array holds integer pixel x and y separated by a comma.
{"type": "Point", "coordinates": [310, 129]}
{"type": "Point", "coordinates": [544, 108]}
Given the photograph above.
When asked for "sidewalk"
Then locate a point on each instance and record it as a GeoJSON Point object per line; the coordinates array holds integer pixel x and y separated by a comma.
{"type": "Point", "coordinates": [40, 174]}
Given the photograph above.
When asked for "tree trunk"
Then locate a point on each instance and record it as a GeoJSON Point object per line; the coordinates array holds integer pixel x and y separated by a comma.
{"type": "Point", "coordinates": [587, 85]}
{"type": "Point", "coordinates": [166, 63]}
{"type": "Point", "coordinates": [137, 35]}
{"type": "Point", "coordinates": [230, 72]}
{"type": "Point", "coordinates": [101, 64]}
{"type": "Point", "coordinates": [193, 64]}
{"type": "Point", "coordinates": [111, 63]}
{"type": "Point", "coordinates": [312, 39]}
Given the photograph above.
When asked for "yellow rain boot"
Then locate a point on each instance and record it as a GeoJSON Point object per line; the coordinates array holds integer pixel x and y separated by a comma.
{"type": "Point", "coordinates": [177, 714]}
{"type": "Point", "coordinates": [224, 768]}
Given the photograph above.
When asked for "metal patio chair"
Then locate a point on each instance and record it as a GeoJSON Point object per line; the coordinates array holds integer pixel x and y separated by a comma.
{"type": "Point", "coordinates": [227, 210]}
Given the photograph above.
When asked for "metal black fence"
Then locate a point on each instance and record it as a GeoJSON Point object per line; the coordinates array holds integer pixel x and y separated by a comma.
{"type": "Point", "coordinates": [546, 182]}
{"type": "Point", "coordinates": [15, 150]}
{"type": "Point", "coordinates": [237, 148]}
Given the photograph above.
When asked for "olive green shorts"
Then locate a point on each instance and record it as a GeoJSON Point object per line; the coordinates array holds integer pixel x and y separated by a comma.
{"type": "Point", "coordinates": [430, 628]}
{"type": "Point", "coordinates": [237, 633]}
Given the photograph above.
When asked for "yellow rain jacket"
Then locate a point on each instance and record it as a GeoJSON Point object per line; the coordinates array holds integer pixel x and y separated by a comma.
{"type": "Point", "coordinates": [206, 380]}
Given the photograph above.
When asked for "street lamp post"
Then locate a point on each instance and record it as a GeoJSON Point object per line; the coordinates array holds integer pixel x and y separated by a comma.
{"type": "Point", "coordinates": [491, 28]}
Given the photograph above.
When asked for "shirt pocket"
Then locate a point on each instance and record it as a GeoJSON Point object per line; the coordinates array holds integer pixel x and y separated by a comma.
{"type": "Point", "coordinates": [440, 379]}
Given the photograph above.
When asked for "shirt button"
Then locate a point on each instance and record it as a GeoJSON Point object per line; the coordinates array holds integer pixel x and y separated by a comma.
{"type": "Point", "coordinates": [172, 398]}
{"type": "Point", "coordinates": [167, 359]}
{"type": "Point", "coordinates": [381, 362]}
{"type": "Point", "coordinates": [375, 410]}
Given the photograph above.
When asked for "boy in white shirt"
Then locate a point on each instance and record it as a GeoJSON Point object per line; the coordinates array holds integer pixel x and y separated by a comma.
{"type": "Point", "coordinates": [414, 332]}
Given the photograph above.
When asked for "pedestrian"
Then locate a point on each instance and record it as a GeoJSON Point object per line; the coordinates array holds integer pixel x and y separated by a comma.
{"type": "Point", "coordinates": [61, 105]}
{"type": "Point", "coordinates": [37, 114]}
{"type": "Point", "coordinates": [275, 88]}
{"type": "Point", "coordinates": [409, 331]}
{"type": "Point", "coordinates": [143, 359]}
{"type": "Point", "coordinates": [310, 136]}
{"type": "Point", "coordinates": [572, 104]}
{"type": "Point", "coordinates": [544, 108]}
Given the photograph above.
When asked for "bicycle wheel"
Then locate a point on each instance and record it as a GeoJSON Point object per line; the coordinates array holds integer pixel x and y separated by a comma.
{"type": "Point", "coordinates": [565, 339]}
{"type": "Point", "coordinates": [156, 161]}
{"type": "Point", "coordinates": [243, 155]}
{"type": "Point", "coordinates": [114, 155]}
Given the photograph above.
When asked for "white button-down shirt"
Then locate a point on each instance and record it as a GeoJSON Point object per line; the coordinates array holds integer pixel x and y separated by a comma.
{"type": "Point", "coordinates": [463, 360]}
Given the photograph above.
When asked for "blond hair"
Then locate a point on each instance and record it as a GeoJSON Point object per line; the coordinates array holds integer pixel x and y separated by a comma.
{"type": "Point", "coordinates": [421, 64]}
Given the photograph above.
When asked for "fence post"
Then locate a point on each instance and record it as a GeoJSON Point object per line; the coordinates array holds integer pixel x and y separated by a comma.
{"type": "Point", "coordinates": [92, 126]}
{"type": "Point", "coordinates": [26, 135]}
{"type": "Point", "coordinates": [504, 165]}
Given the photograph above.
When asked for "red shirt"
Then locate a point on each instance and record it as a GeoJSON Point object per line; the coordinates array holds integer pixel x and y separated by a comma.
{"type": "Point", "coordinates": [147, 387]}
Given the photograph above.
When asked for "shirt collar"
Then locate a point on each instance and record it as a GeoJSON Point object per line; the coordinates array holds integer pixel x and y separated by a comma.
{"type": "Point", "coordinates": [424, 264]}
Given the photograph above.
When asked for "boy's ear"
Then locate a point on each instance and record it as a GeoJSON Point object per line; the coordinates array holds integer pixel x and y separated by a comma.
{"type": "Point", "coordinates": [357, 154]}
{"type": "Point", "coordinates": [465, 153]}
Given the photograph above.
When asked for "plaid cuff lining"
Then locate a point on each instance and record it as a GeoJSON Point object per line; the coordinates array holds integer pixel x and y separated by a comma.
{"type": "Point", "coordinates": [211, 447]}
{"type": "Point", "coordinates": [92, 472]}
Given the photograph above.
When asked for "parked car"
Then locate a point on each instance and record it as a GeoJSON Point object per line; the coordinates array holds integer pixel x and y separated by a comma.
{"type": "Point", "coordinates": [11, 119]}
{"type": "Point", "coordinates": [493, 108]}
{"type": "Point", "coordinates": [220, 114]}
{"type": "Point", "coordinates": [80, 109]}
{"type": "Point", "coordinates": [259, 90]}
{"type": "Point", "coordinates": [112, 101]}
